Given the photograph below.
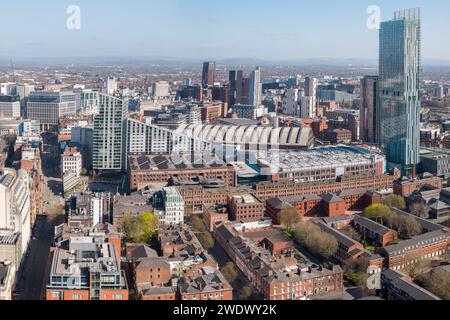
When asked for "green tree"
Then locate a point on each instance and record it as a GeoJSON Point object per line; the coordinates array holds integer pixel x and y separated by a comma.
{"type": "Point", "coordinates": [229, 272]}
{"type": "Point", "coordinates": [379, 212]}
{"type": "Point", "coordinates": [394, 201]}
{"type": "Point", "coordinates": [129, 228]}
{"type": "Point", "coordinates": [84, 172]}
{"type": "Point", "coordinates": [147, 224]}
{"type": "Point", "coordinates": [140, 229]}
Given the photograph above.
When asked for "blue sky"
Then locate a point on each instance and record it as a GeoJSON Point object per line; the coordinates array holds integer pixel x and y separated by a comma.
{"type": "Point", "coordinates": [211, 29]}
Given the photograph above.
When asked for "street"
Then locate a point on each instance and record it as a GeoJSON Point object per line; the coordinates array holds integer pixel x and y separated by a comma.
{"type": "Point", "coordinates": [33, 275]}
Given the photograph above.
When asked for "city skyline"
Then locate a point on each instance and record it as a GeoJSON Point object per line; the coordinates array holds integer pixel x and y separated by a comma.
{"type": "Point", "coordinates": [188, 30]}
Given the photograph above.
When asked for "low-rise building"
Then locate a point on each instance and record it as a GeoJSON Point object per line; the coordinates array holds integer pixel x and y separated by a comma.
{"type": "Point", "coordinates": [406, 186]}
{"type": "Point", "coordinates": [373, 232]}
{"type": "Point", "coordinates": [87, 270]}
{"type": "Point", "coordinates": [398, 286]}
{"type": "Point", "coordinates": [209, 286]}
{"type": "Point", "coordinates": [277, 278]}
{"type": "Point", "coordinates": [424, 246]}
{"type": "Point", "coordinates": [145, 170]}
{"type": "Point", "coordinates": [214, 215]}
{"type": "Point", "coordinates": [246, 207]}
{"type": "Point", "coordinates": [71, 161]}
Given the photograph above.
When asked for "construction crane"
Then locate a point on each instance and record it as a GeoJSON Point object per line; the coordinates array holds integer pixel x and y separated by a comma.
{"type": "Point", "coordinates": [13, 72]}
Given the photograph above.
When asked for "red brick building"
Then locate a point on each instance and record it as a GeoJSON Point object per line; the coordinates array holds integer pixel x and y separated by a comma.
{"type": "Point", "coordinates": [145, 170]}
{"type": "Point", "coordinates": [214, 215]}
{"type": "Point", "coordinates": [424, 246]}
{"type": "Point", "coordinates": [246, 207]}
{"type": "Point", "coordinates": [373, 232]}
{"type": "Point", "coordinates": [152, 271]}
{"type": "Point", "coordinates": [406, 186]}
{"type": "Point", "coordinates": [212, 286]}
{"type": "Point", "coordinates": [277, 278]}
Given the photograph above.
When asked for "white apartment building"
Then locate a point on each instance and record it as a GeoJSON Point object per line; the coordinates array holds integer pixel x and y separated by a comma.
{"type": "Point", "coordinates": [15, 213]}
{"type": "Point", "coordinates": [71, 161]}
{"type": "Point", "coordinates": [173, 213]}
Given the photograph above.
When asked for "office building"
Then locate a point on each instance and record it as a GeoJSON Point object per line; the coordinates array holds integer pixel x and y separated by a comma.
{"type": "Point", "coordinates": [9, 107]}
{"type": "Point", "coordinates": [73, 276]}
{"type": "Point", "coordinates": [160, 90]}
{"type": "Point", "coordinates": [249, 111]}
{"type": "Point", "coordinates": [255, 92]}
{"type": "Point", "coordinates": [109, 148]}
{"type": "Point", "coordinates": [369, 111]}
{"type": "Point", "coordinates": [48, 107]}
{"type": "Point", "coordinates": [71, 160]}
{"type": "Point", "coordinates": [236, 87]}
{"type": "Point", "coordinates": [173, 207]}
{"type": "Point", "coordinates": [86, 100]}
{"type": "Point", "coordinates": [209, 74]}
{"type": "Point", "coordinates": [400, 67]}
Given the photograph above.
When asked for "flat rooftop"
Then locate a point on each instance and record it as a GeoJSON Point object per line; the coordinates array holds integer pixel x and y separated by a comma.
{"type": "Point", "coordinates": [318, 158]}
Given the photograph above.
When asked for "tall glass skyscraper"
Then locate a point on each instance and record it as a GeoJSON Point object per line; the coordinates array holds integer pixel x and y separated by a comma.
{"type": "Point", "coordinates": [400, 42]}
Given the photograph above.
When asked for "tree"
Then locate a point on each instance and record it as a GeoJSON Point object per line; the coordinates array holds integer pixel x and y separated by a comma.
{"type": "Point", "coordinates": [130, 228]}
{"type": "Point", "coordinates": [140, 229]}
{"type": "Point", "coordinates": [315, 240]}
{"type": "Point", "coordinates": [437, 282]}
{"type": "Point", "coordinates": [419, 209]}
{"type": "Point", "coordinates": [246, 293]}
{"type": "Point", "coordinates": [229, 272]}
{"type": "Point", "coordinates": [84, 172]}
{"type": "Point", "coordinates": [290, 218]}
{"type": "Point", "coordinates": [197, 224]}
{"type": "Point", "coordinates": [379, 212]}
{"type": "Point", "coordinates": [206, 240]}
{"type": "Point", "coordinates": [416, 265]}
{"type": "Point", "coordinates": [147, 223]}
{"type": "Point", "coordinates": [407, 227]}
{"type": "Point", "coordinates": [394, 201]}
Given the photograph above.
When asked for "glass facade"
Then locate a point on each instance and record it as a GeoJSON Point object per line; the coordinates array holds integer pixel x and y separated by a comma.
{"type": "Point", "coordinates": [400, 41]}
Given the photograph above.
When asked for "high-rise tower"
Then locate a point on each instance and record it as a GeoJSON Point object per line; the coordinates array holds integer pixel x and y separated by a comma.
{"type": "Point", "coordinates": [400, 67]}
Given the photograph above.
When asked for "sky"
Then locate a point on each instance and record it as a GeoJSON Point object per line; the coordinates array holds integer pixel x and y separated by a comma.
{"type": "Point", "coordinates": [211, 29]}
